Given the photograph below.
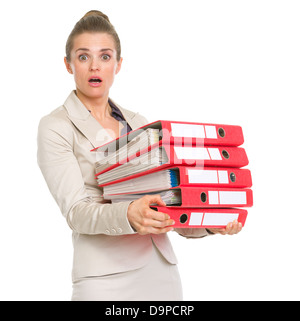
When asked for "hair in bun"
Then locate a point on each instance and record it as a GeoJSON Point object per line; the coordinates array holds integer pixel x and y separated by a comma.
{"type": "Point", "coordinates": [96, 13]}
{"type": "Point", "coordinates": [93, 21]}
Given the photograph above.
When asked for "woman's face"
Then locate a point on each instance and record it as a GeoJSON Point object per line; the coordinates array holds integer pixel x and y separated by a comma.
{"type": "Point", "coordinates": [94, 64]}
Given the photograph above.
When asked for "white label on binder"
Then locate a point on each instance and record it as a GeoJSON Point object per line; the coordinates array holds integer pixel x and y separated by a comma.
{"type": "Point", "coordinates": [187, 130]}
{"type": "Point", "coordinates": [202, 176]}
{"type": "Point", "coordinates": [223, 177]}
{"type": "Point", "coordinates": [233, 198]}
{"type": "Point", "coordinates": [215, 219]}
{"type": "Point", "coordinates": [211, 132]}
{"type": "Point", "coordinates": [196, 219]}
{"type": "Point", "coordinates": [191, 153]}
{"type": "Point", "coordinates": [215, 153]}
{"type": "Point", "coordinates": [213, 197]}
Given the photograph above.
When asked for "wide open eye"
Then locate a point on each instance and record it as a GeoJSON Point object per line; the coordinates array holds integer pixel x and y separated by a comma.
{"type": "Point", "coordinates": [105, 57]}
{"type": "Point", "coordinates": [83, 58]}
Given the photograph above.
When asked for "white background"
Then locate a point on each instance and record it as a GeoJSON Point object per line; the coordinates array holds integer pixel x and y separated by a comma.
{"type": "Point", "coordinates": [232, 62]}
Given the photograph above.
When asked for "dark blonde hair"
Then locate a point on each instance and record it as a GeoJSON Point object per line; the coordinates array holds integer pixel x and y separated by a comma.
{"type": "Point", "coordinates": [93, 21]}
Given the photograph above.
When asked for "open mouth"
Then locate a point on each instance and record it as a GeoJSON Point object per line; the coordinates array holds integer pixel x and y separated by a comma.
{"type": "Point", "coordinates": [95, 80]}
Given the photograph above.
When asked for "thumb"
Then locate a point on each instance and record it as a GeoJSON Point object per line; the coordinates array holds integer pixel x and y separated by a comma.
{"type": "Point", "coordinates": [156, 199]}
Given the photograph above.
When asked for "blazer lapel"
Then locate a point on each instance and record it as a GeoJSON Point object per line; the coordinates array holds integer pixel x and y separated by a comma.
{"type": "Point", "coordinates": [133, 122]}
{"type": "Point", "coordinates": [85, 122]}
{"type": "Point", "coordinates": [89, 126]}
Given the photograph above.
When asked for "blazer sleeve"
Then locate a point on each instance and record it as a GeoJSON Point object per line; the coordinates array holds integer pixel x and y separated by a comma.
{"type": "Point", "coordinates": [83, 212]}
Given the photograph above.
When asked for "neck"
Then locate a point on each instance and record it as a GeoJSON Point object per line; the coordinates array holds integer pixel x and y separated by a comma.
{"type": "Point", "coordinates": [99, 106]}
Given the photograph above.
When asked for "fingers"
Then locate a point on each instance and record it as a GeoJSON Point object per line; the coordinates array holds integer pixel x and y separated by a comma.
{"type": "Point", "coordinates": [155, 222]}
{"type": "Point", "coordinates": [147, 221]}
{"type": "Point", "coordinates": [151, 214]}
{"type": "Point", "coordinates": [231, 229]}
{"type": "Point", "coordinates": [154, 199]}
{"type": "Point", "coordinates": [143, 230]}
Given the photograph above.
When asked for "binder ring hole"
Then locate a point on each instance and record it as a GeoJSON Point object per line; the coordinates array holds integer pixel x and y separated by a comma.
{"type": "Point", "coordinates": [203, 197]}
{"type": "Point", "coordinates": [225, 154]}
{"type": "Point", "coordinates": [232, 177]}
{"type": "Point", "coordinates": [221, 132]}
{"type": "Point", "coordinates": [183, 218]}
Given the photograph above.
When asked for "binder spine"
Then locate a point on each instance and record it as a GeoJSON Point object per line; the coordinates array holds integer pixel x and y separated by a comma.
{"type": "Point", "coordinates": [198, 134]}
{"type": "Point", "coordinates": [202, 218]}
{"type": "Point", "coordinates": [215, 198]}
{"type": "Point", "coordinates": [218, 177]}
{"type": "Point", "coordinates": [204, 156]}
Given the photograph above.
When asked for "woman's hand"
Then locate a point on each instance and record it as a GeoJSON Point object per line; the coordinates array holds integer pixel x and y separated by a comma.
{"type": "Point", "coordinates": [147, 221]}
{"type": "Point", "coordinates": [231, 228]}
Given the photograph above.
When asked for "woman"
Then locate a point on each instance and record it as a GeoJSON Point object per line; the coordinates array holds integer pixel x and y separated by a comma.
{"type": "Point", "coordinates": [121, 251]}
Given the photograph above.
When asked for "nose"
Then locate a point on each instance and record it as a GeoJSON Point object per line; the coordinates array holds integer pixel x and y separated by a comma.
{"type": "Point", "coordinates": [95, 64]}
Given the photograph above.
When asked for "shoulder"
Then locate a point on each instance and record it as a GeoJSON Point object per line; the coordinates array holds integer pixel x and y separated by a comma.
{"type": "Point", "coordinates": [58, 117]}
{"type": "Point", "coordinates": [55, 123]}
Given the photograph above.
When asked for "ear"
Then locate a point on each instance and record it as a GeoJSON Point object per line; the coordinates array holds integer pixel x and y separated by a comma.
{"type": "Point", "coordinates": [119, 65]}
{"type": "Point", "coordinates": [68, 66]}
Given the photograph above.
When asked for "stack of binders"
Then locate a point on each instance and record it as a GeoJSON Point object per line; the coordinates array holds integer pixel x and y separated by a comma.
{"type": "Point", "coordinates": [196, 168]}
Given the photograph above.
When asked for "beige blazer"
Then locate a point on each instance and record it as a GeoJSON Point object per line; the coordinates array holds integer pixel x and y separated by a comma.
{"type": "Point", "coordinates": [103, 240]}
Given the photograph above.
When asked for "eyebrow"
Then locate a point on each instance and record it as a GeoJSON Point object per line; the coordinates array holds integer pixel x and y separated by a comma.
{"type": "Point", "coordinates": [86, 49]}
